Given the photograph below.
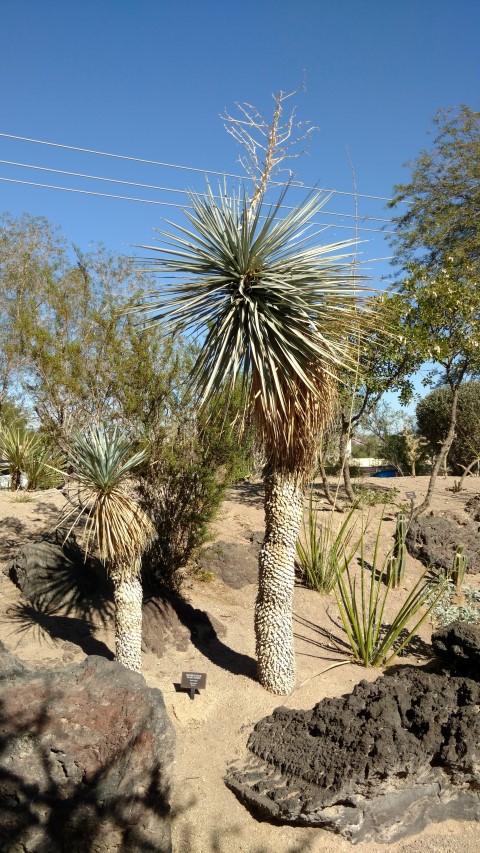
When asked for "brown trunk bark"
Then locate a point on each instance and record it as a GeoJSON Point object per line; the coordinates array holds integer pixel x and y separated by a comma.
{"type": "Point", "coordinates": [442, 455]}
{"type": "Point", "coordinates": [344, 437]}
{"type": "Point", "coordinates": [325, 483]}
{"type": "Point", "coordinates": [466, 472]}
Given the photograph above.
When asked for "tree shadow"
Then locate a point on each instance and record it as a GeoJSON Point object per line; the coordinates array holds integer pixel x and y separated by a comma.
{"type": "Point", "coordinates": [64, 579]}
{"type": "Point", "coordinates": [27, 618]}
{"type": "Point", "coordinates": [12, 528]}
{"type": "Point", "coordinates": [185, 836]}
{"type": "Point", "coordinates": [251, 494]}
{"type": "Point", "coordinates": [416, 647]}
{"type": "Point", "coordinates": [204, 635]}
{"type": "Point", "coordinates": [43, 810]}
{"type": "Point", "coordinates": [328, 641]}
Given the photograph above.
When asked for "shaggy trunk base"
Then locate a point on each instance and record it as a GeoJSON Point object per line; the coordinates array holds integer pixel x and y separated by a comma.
{"type": "Point", "coordinates": [128, 597]}
{"type": "Point", "coordinates": [273, 609]}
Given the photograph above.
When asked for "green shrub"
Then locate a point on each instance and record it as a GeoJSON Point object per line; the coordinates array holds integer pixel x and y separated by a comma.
{"type": "Point", "coordinates": [458, 567]}
{"type": "Point", "coordinates": [369, 496]}
{"type": "Point", "coordinates": [446, 610]}
{"type": "Point", "coordinates": [186, 481]}
{"type": "Point", "coordinates": [44, 469]}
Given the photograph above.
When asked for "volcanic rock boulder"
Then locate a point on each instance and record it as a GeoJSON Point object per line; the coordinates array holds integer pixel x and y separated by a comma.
{"type": "Point", "coordinates": [458, 647]}
{"type": "Point", "coordinates": [85, 760]}
{"type": "Point", "coordinates": [170, 621]}
{"type": "Point", "coordinates": [375, 765]}
{"type": "Point", "coordinates": [52, 573]}
{"type": "Point", "coordinates": [235, 564]}
{"type": "Point", "coordinates": [473, 507]}
{"type": "Point", "coordinates": [433, 539]}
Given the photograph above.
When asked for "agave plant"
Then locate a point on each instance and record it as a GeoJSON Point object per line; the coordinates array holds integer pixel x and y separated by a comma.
{"type": "Point", "coordinates": [275, 309]}
{"type": "Point", "coordinates": [102, 463]}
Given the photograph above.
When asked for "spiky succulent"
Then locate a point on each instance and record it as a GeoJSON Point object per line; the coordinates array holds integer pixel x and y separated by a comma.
{"type": "Point", "coordinates": [102, 462]}
{"type": "Point", "coordinates": [274, 306]}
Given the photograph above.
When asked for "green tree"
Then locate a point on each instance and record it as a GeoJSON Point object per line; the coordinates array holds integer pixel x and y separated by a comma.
{"type": "Point", "coordinates": [276, 310]}
{"type": "Point", "coordinates": [437, 243]}
{"type": "Point", "coordinates": [442, 325]}
{"type": "Point", "coordinates": [383, 364]}
{"type": "Point", "coordinates": [31, 253]}
{"type": "Point", "coordinates": [68, 349]}
{"type": "Point", "coordinates": [442, 216]}
{"type": "Point", "coordinates": [433, 420]}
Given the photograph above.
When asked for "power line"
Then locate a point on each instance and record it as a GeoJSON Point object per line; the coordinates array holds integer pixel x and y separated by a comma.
{"type": "Point", "coordinates": [164, 203]}
{"type": "Point", "coordinates": [166, 189]}
{"type": "Point", "coordinates": [299, 184]}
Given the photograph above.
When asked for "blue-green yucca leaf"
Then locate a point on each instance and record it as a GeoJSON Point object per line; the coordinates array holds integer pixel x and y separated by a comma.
{"type": "Point", "coordinates": [102, 461]}
{"type": "Point", "coordinates": [275, 308]}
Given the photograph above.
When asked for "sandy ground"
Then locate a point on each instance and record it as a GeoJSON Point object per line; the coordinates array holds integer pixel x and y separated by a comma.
{"type": "Point", "coordinates": [212, 730]}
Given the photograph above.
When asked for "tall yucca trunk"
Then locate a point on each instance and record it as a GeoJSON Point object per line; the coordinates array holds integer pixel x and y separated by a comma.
{"type": "Point", "coordinates": [128, 598]}
{"type": "Point", "coordinates": [273, 610]}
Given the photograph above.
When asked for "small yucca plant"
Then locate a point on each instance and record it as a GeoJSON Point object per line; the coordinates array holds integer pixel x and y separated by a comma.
{"type": "Point", "coordinates": [102, 463]}
{"type": "Point", "coordinates": [362, 602]}
{"type": "Point", "coordinates": [17, 449]}
{"type": "Point", "coordinates": [323, 551]}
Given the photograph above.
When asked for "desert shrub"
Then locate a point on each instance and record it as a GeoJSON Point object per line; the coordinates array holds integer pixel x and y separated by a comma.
{"type": "Point", "coordinates": [44, 468]}
{"type": "Point", "coordinates": [24, 452]}
{"type": "Point", "coordinates": [190, 469]}
{"type": "Point", "coordinates": [448, 610]}
{"type": "Point", "coordinates": [369, 496]}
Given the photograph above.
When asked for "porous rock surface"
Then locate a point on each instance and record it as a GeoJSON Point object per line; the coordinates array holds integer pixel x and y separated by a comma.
{"type": "Point", "coordinates": [235, 564]}
{"type": "Point", "coordinates": [376, 765]}
{"type": "Point", "coordinates": [85, 760]}
{"type": "Point", "coordinates": [170, 621]}
{"type": "Point", "coordinates": [458, 647]}
{"type": "Point", "coordinates": [433, 539]}
{"type": "Point", "coordinates": [473, 507]}
{"type": "Point", "coordinates": [52, 573]}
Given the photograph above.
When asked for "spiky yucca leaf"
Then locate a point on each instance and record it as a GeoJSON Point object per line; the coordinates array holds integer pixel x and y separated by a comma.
{"type": "Point", "coordinates": [276, 308]}
{"type": "Point", "coordinates": [102, 462]}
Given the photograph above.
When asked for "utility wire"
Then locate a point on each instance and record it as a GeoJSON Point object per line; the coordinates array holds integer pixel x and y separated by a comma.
{"type": "Point", "coordinates": [184, 168]}
{"type": "Point", "coordinates": [164, 203]}
{"type": "Point", "coordinates": [167, 189]}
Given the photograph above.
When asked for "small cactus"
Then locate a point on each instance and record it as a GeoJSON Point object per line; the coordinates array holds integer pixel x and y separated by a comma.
{"type": "Point", "coordinates": [459, 567]}
{"type": "Point", "coordinates": [397, 560]}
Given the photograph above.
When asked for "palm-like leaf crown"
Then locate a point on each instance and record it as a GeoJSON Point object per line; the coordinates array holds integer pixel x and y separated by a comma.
{"type": "Point", "coordinates": [102, 462]}
{"type": "Point", "coordinates": [276, 309]}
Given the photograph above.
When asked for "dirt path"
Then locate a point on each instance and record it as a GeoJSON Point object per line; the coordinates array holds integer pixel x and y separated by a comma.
{"type": "Point", "coordinates": [212, 730]}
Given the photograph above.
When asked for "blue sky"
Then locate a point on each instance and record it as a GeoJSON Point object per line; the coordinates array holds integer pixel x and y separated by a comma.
{"type": "Point", "coordinates": [149, 79]}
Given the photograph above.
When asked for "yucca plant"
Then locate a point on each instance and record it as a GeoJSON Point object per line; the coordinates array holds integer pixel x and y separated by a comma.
{"type": "Point", "coordinates": [275, 309]}
{"type": "Point", "coordinates": [362, 601]}
{"type": "Point", "coordinates": [102, 463]}
{"type": "Point", "coordinates": [17, 449]}
{"type": "Point", "coordinates": [44, 468]}
{"type": "Point", "coordinates": [323, 551]}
